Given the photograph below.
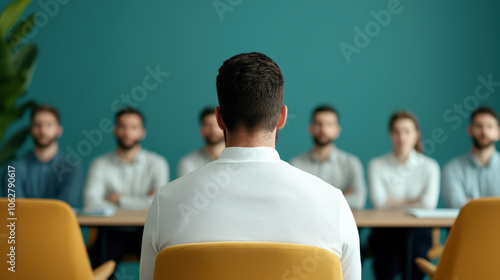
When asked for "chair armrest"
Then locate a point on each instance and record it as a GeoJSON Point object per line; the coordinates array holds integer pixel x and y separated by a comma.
{"type": "Point", "coordinates": [104, 270]}
{"type": "Point", "coordinates": [426, 266]}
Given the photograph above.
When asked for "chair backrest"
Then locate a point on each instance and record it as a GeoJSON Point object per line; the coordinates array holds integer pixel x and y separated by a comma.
{"type": "Point", "coordinates": [472, 249]}
{"type": "Point", "coordinates": [246, 261]}
{"type": "Point", "coordinates": [48, 241]}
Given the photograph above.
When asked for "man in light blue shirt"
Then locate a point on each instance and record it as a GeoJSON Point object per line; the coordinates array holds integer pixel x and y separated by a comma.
{"type": "Point", "coordinates": [46, 172]}
{"type": "Point", "coordinates": [477, 173]}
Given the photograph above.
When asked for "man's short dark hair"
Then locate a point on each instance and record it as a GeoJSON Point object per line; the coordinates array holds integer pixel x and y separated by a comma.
{"type": "Point", "coordinates": [45, 108]}
{"type": "Point", "coordinates": [324, 108]}
{"type": "Point", "coordinates": [206, 112]}
{"type": "Point", "coordinates": [129, 110]}
{"type": "Point", "coordinates": [250, 92]}
{"type": "Point", "coordinates": [483, 110]}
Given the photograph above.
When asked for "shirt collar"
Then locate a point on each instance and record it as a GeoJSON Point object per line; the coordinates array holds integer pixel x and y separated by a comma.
{"type": "Point", "coordinates": [249, 154]}
{"type": "Point", "coordinates": [331, 157]}
{"type": "Point", "coordinates": [57, 156]}
{"type": "Point", "coordinates": [412, 158]}
{"type": "Point", "coordinates": [494, 161]}
{"type": "Point", "coordinates": [138, 158]}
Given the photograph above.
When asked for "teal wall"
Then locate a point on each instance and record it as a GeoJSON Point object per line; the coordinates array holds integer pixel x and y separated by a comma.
{"type": "Point", "coordinates": [426, 59]}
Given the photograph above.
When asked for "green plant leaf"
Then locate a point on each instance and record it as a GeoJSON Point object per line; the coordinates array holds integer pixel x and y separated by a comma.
{"type": "Point", "coordinates": [11, 14]}
{"type": "Point", "coordinates": [19, 32]}
{"type": "Point", "coordinates": [24, 63]}
{"type": "Point", "coordinates": [7, 117]}
{"type": "Point", "coordinates": [6, 69]}
{"type": "Point", "coordinates": [9, 149]}
{"type": "Point", "coordinates": [10, 91]}
{"type": "Point", "coordinates": [26, 106]}
{"type": "Point", "coordinates": [5, 121]}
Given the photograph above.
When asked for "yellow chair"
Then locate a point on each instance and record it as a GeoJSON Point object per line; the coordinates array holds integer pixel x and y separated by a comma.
{"type": "Point", "coordinates": [246, 261]}
{"type": "Point", "coordinates": [48, 242]}
{"type": "Point", "coordinates": [472, 248]}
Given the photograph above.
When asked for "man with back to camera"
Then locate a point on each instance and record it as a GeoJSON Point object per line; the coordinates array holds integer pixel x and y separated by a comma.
{"type": "Point", "coordinates": [128, 178]}
{"type": "Point", "coordinates": [328, 162]}
{"type": "Point", "coordinates": [249, 193]}
{"type": "Point", "coordinates": [46, 172]}
{"type": "Point", "coordinates": [477, 173]}
{"type": "Point", "coordinates": [214, 144]}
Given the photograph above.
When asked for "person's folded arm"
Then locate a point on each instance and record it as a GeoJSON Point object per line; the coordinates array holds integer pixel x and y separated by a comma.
{"type": "Point", "coordinates": [136, 201]}
{"type": "Point", "coordinates": [357, 197]}
{"type": "Point", "coordinates": [95, 188]}
{"type": "Point", "coordinates": [377, 189]}
{"type": "Point", "coordinates": [160, 178]}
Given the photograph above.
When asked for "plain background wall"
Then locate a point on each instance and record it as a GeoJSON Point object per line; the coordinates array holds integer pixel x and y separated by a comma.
{"type": "Point", "coordinates": [426, 59]}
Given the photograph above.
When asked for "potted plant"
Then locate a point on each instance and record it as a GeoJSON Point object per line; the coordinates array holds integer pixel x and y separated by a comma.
{"type": "Point", "coordinates": [17, 63]}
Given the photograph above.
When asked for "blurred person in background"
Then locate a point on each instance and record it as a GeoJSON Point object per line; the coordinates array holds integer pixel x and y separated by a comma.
{"type": "Point", "coordinates": [401, 179]}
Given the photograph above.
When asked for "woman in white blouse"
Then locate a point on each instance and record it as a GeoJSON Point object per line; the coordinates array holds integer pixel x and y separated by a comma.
{"type": "Point", "coordinates": [401, 179]}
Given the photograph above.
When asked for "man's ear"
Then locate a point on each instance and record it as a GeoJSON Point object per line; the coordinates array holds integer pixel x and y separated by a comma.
{"type": "Point", "coordinates": [144, 134]}
{"type": "Point", "coordinates": [218, 116]}
{"type": "Point", "coordinates": [469, 130]}
{"type": "Point", "coordinates": [61, 130]}
{"type": "Point", "coordinates": [283, 116]}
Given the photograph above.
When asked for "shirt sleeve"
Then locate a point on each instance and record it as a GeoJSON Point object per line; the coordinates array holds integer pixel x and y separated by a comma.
{"type": "Point", "coordinates": [430, 193]}
{"type": "Point", "coordinates": [149, 248]}
{"type": "Point", "coordinates": [377, 189]}
{"type": "Point", "coordinates": [161, 175]}
{"type": "Point", "coordinates": [95, 188]}
{"type": "Point", "coordinates": [357, 198]}
{"type": "Point", "coordinates": [350, 260]}
{"type": "Point", "coordinates": [71, 189]}
{"type": "Point", "coordinates": [182, 168]}
{"type": "Point", "coordinates": [453, 189]}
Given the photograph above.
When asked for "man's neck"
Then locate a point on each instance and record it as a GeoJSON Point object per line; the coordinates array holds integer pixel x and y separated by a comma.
{"type": "Point", "coordinates": [128, 155]}
{"type": "Point", "coordinates": [46, 154]}
{"type": "Point", "coordinates": [484, 155]}
{"type": "Point", "coordinates": [246, 139]}
{"type": "Point", "coordinates": [214, 150]}
{"type": "Point", "coordinates": [323, 152]}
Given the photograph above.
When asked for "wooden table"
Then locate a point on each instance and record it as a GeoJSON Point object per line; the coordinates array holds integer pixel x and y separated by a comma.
{"type": "Point", "coordinates": [364, 218]}
{"type": "Point", "coordinates": [397, 218]}
{"type": "Point", "coordinates": [122, 217]}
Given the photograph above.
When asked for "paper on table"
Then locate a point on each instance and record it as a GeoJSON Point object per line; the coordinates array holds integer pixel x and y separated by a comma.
{"type": "Point", "coordinates": [434, 213]}
{"type": "Point", "coordinates": [109, 211]}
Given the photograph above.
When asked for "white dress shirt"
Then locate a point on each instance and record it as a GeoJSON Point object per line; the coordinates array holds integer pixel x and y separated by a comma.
{"type": "Point", "coordinates": [249, 194]}
{"type": "Point", "coordinates": [192, 162]}
{"type": "Point", "coordinates": [342, 170]}
{"type": "Point", "coordinates": [134, 181]}
{"type": "Point", "coordinates": [417, 179]}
